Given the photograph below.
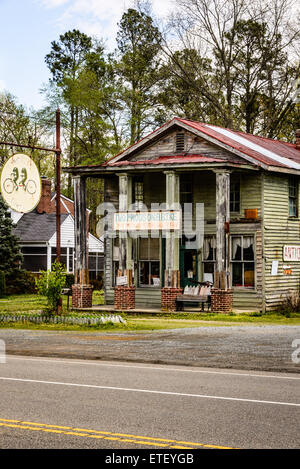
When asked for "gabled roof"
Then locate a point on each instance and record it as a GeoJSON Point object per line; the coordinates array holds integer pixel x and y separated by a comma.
{"type": "Point", "coordinates": [37, 227]}
{"type": "Point", "coordinates": [250, 149]}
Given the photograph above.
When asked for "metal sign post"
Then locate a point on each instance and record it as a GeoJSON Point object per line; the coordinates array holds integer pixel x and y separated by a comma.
{"type": "Point", "coordinates": [58, 153]}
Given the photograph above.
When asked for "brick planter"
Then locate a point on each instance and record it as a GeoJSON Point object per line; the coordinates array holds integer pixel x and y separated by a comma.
{"type": "Point", "coordinates": [168, 298]}
{"type": "Point", "coordinates": [82, 296]}
{"type": "Point", "coordinates": [124, 297]}
{"type": "Point", "coordinates": [221, 300]}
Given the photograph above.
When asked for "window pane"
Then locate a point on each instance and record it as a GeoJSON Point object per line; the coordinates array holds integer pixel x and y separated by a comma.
{"type": "Point", "coordinates": [208, 268]}
{"type": "Point", "coordinates": [249, 274]}
{"type": "Point", "coordinates": [237, 274]}
{"type": "Point", "coordinates": [92, 262]}
{"type": "Point", "coordinates": [155, 274]}
{"type": "Point", "coordinates": [248, 252]}
{"type": "Point", "coordinates": [33, 250]}
{"type": "Point", "coordinates": [209, 249]}
{"type": "Point", "coordinates": [144, 273]}
{"type": "Point", "coordinates": [63, 260]}
{"type": "Point", "coordinates": [236, 248]}
{"type": "Point", "coordinates": [149, 249]}
{"type": "Point", "coordinates": [35, 263]}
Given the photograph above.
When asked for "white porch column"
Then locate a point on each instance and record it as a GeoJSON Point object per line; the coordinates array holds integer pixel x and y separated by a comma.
{"type": "Point", "coordinates": [125, 250]}
{"type": "Point", "coordinates": [222, 279]}
{"type": "Point", "coordinates": [81, 248]}
{"type": "Point", "coordinates": [172, 274]}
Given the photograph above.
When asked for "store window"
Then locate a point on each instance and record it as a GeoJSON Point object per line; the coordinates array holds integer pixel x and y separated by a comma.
{"type": "Point", "coordinates": [235, 197]}
{"type": "Point", "coordinates": [242, 261]}
{"type": "Point", "coordinates": [293, 197]}
{"type": "Point", "coordinates": [209, 258]}
{"type": "Point", "coordinates": [149, 264]}
{"type": "Point", "coordinates": [115, 259]}
{"type": "Point", "coordinates": [138, 193]}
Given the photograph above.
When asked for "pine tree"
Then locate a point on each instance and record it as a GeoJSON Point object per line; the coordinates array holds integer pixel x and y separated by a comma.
{"type": "Point", "coordinates": [10, 253]}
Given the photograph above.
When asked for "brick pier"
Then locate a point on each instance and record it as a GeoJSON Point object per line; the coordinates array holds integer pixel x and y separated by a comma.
{"type": "Point", "coordinates": [124, 297]}
{"type": "Point", "coordinates": [168, 298]}
{"type": "Point", "coordinates": [82, 296]}
{"type": "Point", "coordinates": [221, 300]}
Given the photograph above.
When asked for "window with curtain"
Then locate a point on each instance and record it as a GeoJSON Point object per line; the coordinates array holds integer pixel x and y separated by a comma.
{"type": "Point", "coordinates": [149, 264]}
{"type": "Point", "coordinates": [209, 257]}
{"type": "Point", "coordinates": [242, 261]}
{"type": "Point", "coordinates": [293, 197]}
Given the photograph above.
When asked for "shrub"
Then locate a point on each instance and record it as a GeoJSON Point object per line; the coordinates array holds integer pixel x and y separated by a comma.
{"type": "Point", "coordinates": [97, 282]}
{"type": "Point", "coordinates": [50, 284]}
{"type": "Point", "coordinates": [290, 304]}
{"type": "Point", "coordinates": [2, 284]}
{"type": "Point", "coordinates": [70, 279]}
{"type": "Point", "coordinates": [20, 282]}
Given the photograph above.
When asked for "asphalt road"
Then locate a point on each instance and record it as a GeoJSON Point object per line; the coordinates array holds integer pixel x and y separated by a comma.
{"type": "Point", "coordinates": [65, 403]}
{"type": "Point", "coordinates": [247, 347]}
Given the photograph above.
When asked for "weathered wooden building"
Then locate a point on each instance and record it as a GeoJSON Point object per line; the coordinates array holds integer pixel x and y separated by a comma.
{"type": "Point", "coordinates": [244, 188]}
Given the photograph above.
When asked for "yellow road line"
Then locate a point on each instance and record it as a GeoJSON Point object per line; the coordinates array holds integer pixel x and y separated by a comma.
{"type": "Point", "coordinates": [97, 434]}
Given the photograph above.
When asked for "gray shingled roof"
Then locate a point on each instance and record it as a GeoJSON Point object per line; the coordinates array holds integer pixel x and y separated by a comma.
{"type": "Point", "coordinates": [37, 226]}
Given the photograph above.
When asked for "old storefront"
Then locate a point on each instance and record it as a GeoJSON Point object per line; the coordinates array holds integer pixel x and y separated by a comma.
{"type": "Point", "coordinates": [196, 203]}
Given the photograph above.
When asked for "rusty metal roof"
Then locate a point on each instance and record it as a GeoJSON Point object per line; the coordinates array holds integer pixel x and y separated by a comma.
{"type": "Point", "coordinates": [257, 151]}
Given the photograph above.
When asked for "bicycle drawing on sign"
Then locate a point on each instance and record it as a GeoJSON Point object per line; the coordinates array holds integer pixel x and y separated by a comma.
{"type": "Point", "coordinates": [12, 184]}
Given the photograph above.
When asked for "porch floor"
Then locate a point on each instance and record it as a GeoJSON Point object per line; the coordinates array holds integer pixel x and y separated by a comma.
{"type": "Point", "coordinates": [142, 310]}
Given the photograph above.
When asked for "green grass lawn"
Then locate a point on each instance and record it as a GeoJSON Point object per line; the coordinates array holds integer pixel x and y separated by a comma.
{"type": "Point", "coordinates": [37, 303]}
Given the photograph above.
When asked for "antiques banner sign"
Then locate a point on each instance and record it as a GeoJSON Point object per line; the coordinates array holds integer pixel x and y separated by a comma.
{"type": "Point", "coordinates": [160, 220]}
{"type": "Point", "coordinates": [291, 253]}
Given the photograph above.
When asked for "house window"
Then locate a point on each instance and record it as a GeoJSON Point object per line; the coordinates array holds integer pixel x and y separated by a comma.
{"type": "Point", "coordinates": [149, 265]}
{"type": "Point", "coordinates": [293, 197]}
{"type": "Point", "coordinates": [138, 193]}
{"type": "Point", "coordinates": [235, 196]}
{"type": "Point", "coordinates": [34, 258]}
{"type": "Point", "coordinates": [242, 261]}
{"type": "Point", "coordinates": [209, 258]}
{"type": "Point", "coordinates": [63, 256]}
{"type": "Point", "coordinates": [179, 142]}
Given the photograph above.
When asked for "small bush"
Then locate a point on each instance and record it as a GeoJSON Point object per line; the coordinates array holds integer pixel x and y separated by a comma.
{"type": "Point", "coordinates": [50, 284]}
{"type": "Point", "coordinates": [290, 304]}
{"type": "Point", "coordinates": [20, 282]}
{"type": "Point", "coordinates": [2, 284]}
{"type": "Point", "coordinates": [70, 280]}
{"type": "Point", "coordinates": [97, 282]}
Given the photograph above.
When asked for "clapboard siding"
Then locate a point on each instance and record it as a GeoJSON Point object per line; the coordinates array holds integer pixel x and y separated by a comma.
{"type": "Point", "coordinates": [166, 146]}
{"type": "Point", "coordinates": [279, 230]}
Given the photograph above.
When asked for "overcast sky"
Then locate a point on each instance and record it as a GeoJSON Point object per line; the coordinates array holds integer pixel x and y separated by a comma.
{"type": "Point", "coordinates": [29, 26]}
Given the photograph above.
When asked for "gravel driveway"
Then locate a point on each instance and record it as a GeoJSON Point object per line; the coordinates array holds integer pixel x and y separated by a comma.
{"type": "Point", "coordinates": [262, 347]}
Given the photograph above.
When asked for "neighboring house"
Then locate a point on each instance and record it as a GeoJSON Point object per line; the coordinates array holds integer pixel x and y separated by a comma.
{"type": "Point", "coordinates": [249, 186]}
{"type": "Point", "coordinates": [37, 233]}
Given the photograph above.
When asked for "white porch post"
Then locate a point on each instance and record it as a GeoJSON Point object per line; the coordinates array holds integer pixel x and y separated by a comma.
{"type": "Point", "coordinates": [172, 274]}
{"type": "Point", "coordinates": [222, 228]}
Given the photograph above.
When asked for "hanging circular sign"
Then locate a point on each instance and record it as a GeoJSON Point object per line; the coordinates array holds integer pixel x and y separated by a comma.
{"type": "Point", "coordinates": [20, 183]}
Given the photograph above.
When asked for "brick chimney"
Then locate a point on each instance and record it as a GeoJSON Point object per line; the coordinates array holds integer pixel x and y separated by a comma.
{"type": "Point", "coordinates": [298, 139]}
{"type": "Point", "coordinates": [44, 205]}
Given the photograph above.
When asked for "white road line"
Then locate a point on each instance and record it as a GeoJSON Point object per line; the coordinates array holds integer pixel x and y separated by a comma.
{"type": "Point", "coordinates": [149, 391]}
{"type": "Point", "coordinates": [166, 368]}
